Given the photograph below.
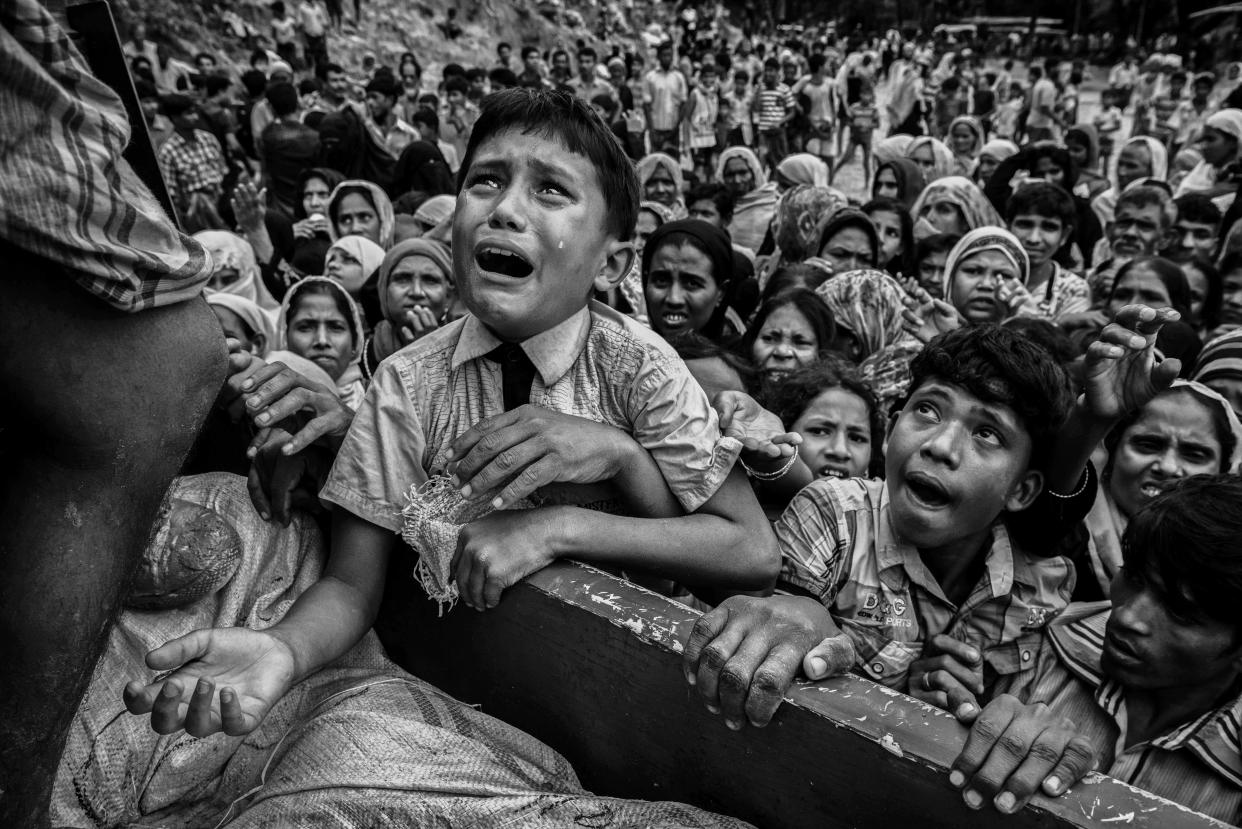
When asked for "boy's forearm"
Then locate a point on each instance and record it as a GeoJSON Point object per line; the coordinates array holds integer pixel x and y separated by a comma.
{"type": "Point", "coordinates": [642, 484]}
{"type": "Point", "coordinates": [335, 612]}
{"type": "Point", "coordinates": [727, 544]}
{"type": "Point", "coordinates": [1082, 433]}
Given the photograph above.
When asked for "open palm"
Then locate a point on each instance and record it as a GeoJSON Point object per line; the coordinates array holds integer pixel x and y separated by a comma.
{"type": "Point", "coordinates": [222, 679]}
{"type": "Point", "coordinates": [1121, 373]}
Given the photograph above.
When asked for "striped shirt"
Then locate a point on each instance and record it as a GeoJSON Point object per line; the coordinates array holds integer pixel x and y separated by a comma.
{"type": "Point", "coordinates": [66, 194]}
{"type": "Point", "coordinates": [774, 104]}
{"type": "Point", "coordinates": [191, 167]}
{"type": "Point", "coordinates": [838, 544]}
{"type": "Point", "coordinates": [1198, 764]}
{"type": "Point", "coordinates": [598, 365]}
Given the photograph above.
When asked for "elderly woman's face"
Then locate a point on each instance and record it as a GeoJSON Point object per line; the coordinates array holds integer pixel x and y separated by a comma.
{"type": "Point", "coordinates": [1174, 438]}
{"type": "Point", "coordinates": [975, 288]}
{"type": "Point", "coordinates": [417, 282]}
{"type": "Point", "coordinates": [987, 166]}
{"type": "Point", "coordinates": [945, 217]}
{"type": "Point", "coordinates": [849, 249]}
{"type": "Point", "coordinates": [661, 187]}
{"type": "Point", "coordinates": [926, 159]}
{"type": "Point", "coordinates": [738, 176]}
{"type": "Point", "coordinates": [682, 292]}
{"type": "Point", "coordinates": [962, 139]}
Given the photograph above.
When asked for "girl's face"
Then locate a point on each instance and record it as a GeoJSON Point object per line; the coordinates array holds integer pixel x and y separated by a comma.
{"type": "Point", "coordinates": [233, 326]}
{"type": "Point", "coordinates": [342, 266]}
{"type": "Point", "coordinates": [1140, 285]}
{"type": "Point", "coordinates": [946, 217]}
{"type": "Point", "coordinates": [785, 342]}
{"type": "Point", "coordinates": [315, 197]}
{"type": "Point", "coordinates": [975, 286]}
{"type": "Point", "coordinates": [1174, 438]}
{"type": "Point", "coordinates": [885, 185]}
{"type": "Point", "coordinates": [1051, 172]}
{"type": "Point", "coordinates": [1231, 306]}
{"type": "Point", "coordinates": [416, 281]}
{"type": "Point", "coordinates": [660, 187]}
{"type": "Point", "coordinates": [319, 332]}
{"type": "Point", "coordinates": [836, 435]}
{"type": "Point", "coordinates": [888, 225]}
{"type": "Point", "coordinates": [926, 159]}
{"type": "Point", "coordinates": [849, 249]}
{"type": "Point", "coordinates": [1077, 152]}
{"type": "Point", "coordinates": [1218, 148]}
{"type": "Point", "coordinates": [962, 140]}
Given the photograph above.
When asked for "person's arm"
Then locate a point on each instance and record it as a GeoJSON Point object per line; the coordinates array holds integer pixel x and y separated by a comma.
{"type": "Point", "coordinates": [227, 679]}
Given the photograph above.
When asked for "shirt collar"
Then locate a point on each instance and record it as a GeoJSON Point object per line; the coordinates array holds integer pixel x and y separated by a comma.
{"type": "Point", "coordinates": [553, 352]}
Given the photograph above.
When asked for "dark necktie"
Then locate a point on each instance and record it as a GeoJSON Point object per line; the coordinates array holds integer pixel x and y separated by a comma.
{"type": "Point", "coordinates": [517, 371]}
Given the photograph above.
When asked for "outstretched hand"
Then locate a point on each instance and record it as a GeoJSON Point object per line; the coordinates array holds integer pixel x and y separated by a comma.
{"type": "Point", "coordinates": [761, 433]}
{"type": "Point", "coordinates": [221, 679]}
{"type": "Point", "coordinates": [1121, 373]}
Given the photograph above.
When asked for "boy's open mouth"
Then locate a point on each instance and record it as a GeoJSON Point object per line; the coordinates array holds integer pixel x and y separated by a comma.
{"type": "Point", "coordinates": [504, 262]}
{"type": "Point", "coordinates": [832, 472]}
{"type": "Point", "coordinates": [927, 490]}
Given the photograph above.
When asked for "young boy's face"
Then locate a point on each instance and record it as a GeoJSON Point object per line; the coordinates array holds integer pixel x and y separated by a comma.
{"type": "Point", "coordinates": [954, 462]}
{"type": "Point", "coordinates": [1041, 236]}
{"type": "Point", "coordinates": [530, 235]}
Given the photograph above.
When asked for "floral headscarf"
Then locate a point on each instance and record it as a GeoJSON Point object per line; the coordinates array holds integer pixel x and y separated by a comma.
{"type": "Point", "coordinates": [963, 194]}
{"type": "Point", "coordinates": [869, 304]}
{"type": "Point", "coordinates": [647, 167]}
{"type": "Point", "coordinates": [979, 240]}
{"type": "Point", "coordinates": [800, 219]}
{"type": "Point", "coordinates": [804, 168]}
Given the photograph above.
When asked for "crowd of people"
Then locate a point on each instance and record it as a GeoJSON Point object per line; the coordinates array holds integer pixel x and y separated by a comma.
{"type": "Point", "coordinates": [967, 426]}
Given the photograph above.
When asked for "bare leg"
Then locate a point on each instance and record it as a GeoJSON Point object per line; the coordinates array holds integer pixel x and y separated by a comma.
{"type": "Point", "coordinates": [101, 409]}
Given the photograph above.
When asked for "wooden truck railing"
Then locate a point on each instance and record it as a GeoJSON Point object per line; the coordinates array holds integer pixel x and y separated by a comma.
{"type": "Point", "coordinates": [590, 664]}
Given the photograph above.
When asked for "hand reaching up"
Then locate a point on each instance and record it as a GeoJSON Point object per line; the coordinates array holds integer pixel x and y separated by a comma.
{"type": "Point", "coordinates": [1121, 373]}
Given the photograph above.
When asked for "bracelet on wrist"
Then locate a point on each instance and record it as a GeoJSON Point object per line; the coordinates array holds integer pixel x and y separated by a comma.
{"type": "Point", "coordinates": [773, 475]}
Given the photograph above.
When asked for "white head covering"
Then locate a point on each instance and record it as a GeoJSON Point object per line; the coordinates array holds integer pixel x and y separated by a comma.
{"type": "Point", "coordinates": [981, 239]}
{"type": "Point", "coordinates": [258, 320]}
{"type": "Point", "coordinates": [228, 250]}
{"type": "Point", "coordinates": [350, 386]}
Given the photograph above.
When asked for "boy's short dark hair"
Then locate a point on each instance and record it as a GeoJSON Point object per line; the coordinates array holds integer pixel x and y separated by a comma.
{"type": "Point", "coordinates": [1002, 367]}
{"type": "Point", "coordinates": [771, 63]}
{"type": "Point", "coordinates": [427, 117]}
{"type": "Point", "coordinates": [283, 98]}
{"type": "Point", "coordinates": [1147, 196]}
{"type": "Point", "coordinates": [527, 51]}
{"type": "Point", "coordinates": [453, 70]}
{"type": "Point", "coordinates": [1198, 208]}
{"type": "Point", "coordinates": [1042, 198]}
{"type": "Point", "coordinates": [457, 83]}
{"type": "Point", "coordinates": [1188, 538]}
{"type": "Point", "coordinates": [215, 84]}
{"type": "Point", "coordinates": [587, 52]}
{"type": "Point", "coordinates": [309, 86]}
{"type": "Point", "coordinates": [567, 118]}
{"type": "Point", "coordinates": [789, 399]}
{"type": "Point", "coordinates": [333, 67]}
{"type": "Point", "coordinates": [254, 81]}
{"type": "Point", "coordinates": [817, 61]}
{"type": "Point", "coordinates": [384, 85]}
{"type": "Point", "coordinates": [504, 44]}
{"type": "Point", "coordinates": [502, 77]}
{"type": "Point", "coordinates": [476, 73]}
{"type": "Point", "coordinates": [717, 194]}
{"type": "Point", "coordinates": [1048, 334]}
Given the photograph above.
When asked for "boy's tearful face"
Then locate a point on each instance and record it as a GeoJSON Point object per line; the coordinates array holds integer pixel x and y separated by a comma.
{"type": "Point", "coordinates": [954, 462]}
{"type": "Point", "coordinates": [530, 234]}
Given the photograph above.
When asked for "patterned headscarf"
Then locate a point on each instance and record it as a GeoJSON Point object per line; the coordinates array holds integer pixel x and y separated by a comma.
{"type": "Point", "coordinates": [800, 219]}
{"type": "Point", "coordinates": [1221, 359]}
{"type": "Point", "coordinates": [228, 250]}
{"type": "Point", "coordinates": [963, 194]}
{"type": "Point", "coordinates": [804, 168]}
{"type": "Point", "coordinates": [979, 240]}
{"type": "Point", "coordinates": [892, 148]}
{"type": "Point", "coordinates": [942, 156]}
{"type": "Point", "coordinates": [869, 304]}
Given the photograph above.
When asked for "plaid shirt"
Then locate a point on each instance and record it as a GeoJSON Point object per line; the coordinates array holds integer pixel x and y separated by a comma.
{"type": "Point", "coordinates": [1197, 764]}
{"type": "Point", "coordinates": [191, 167]}
{"type": "Point", "coordinates": [838, 544]}
{"type": "Point", "coordinates": [66, 194]}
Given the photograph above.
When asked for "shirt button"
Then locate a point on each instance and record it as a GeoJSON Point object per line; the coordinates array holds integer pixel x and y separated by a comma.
{"type": "Point", "coordinates": [877, 668]}
{"type": "Point", "coordinates": [1026, 656]}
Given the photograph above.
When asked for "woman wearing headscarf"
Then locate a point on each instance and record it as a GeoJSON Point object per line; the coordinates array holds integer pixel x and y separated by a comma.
{"type": "Point", "coordinates": [867, 307]}
{"type": "Point", "coordinates": [328, 333]}
{"type": "Point", "coordinates": [1082, 141]}
{"type": "Point", "coordinates": [1140, 158]}
{"type": "Point", "coordinates": [244, 321]}
{"type": "Point", "coordinates": [1230, 81]}
{"type": "Point", "coordinates": [435, 214]}
{"type": "Point", "coordinates": [1219, 367]}
{"type": "Point", "coordinates": [899, 179]}
{"type": "Point", "coordinates": [422, 167]}
{"type": "Point", "coordinates": [1220, 144]}
{"type": "Point", "coordinates": [952, 205]}
{"type": "Point", "coordinates": [311, 231]}
{"type": "Point", "coordinates": [235, 269]}
{"type": "Point", "coordinates": [755, 198]}
{"type": "Point", "coordinates": [849, 241]}
{"type": "Point", "coordinates": [892, 148]}
{"type": "Point", "coordinates": [801, 168]}
{"type": "Point", "coordinates": [362, 208]}
{"type": "Point", "coordinates": [983, 275]}
{"type": "Point", "coordinates": [798, 225]}
{"type": "Point", "coordinates": [990, 157]}
{"type": "Point", "coordinates": [905, 102]}
{"type": "Point", "coordinates": [965, 137]}
{"type": "Point", "coordinates": [354, 262]}
{"type": "Point", "coordinates": [933, 157]}
{"type": "Point", "coordinates": [660, 180]}
{"type": "Point", "coordinates": [688, 282]}
{"type": "Point", "coordinates": [416, 293]}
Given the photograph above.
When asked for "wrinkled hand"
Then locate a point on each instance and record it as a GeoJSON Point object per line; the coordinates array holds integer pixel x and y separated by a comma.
{"type": "Point", "coordinates": [417, 323]}
{"type": "Point", "coordinates": [949, 675]}
{"type": "Point", "coordinates": [499, 550]}
{"type": "Point", "coordinates": [1121, 373]}
{"type": "Point", "coordinates": [511, 455]}
{"type": "Point", "coordinates": [931, 320]}
{"type": "Point", "coordinates": [276, 394]}
{"type": "Point", "coordinates": [743, 656]}
{"type": "Point", "coordinates": [222, 679]}
{"type": "Point", "coordinates": [761, 433]}
{"type": "Point", "coordinates": [1014, 750]}
{"type": "Point", "coordinates": [248, 203]}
